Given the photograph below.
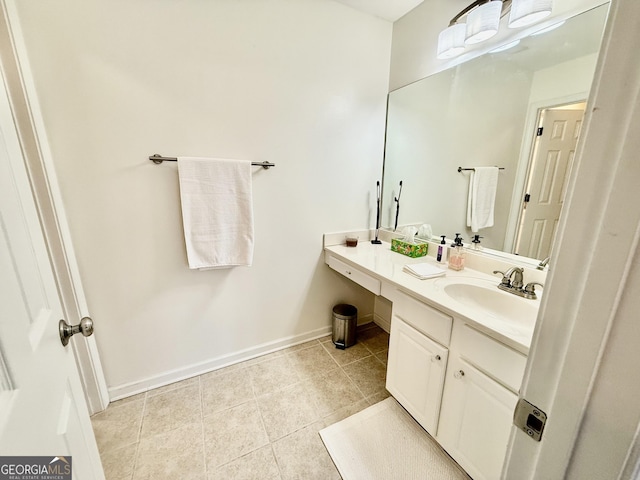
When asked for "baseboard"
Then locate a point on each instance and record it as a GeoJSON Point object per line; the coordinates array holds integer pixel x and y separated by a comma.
{"type": "Point", "coordinates": [172, 376]}
{"type": "Point", "coordinates": [383, 323]}
{"type": "Point", "coordinates": [364, 319]}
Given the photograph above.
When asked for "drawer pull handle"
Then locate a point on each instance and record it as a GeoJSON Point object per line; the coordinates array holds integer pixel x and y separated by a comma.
{"type": "Point", "coordinates": [459, 374]}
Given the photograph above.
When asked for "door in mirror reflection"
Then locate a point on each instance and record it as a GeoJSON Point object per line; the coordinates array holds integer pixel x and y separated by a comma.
{"type": "Point", "coordinates": [551, 160]}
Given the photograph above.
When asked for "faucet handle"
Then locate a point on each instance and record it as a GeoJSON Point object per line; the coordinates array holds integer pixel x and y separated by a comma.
{"type": "Point", "coordinates": [530, 289]}
{"type": "Point", "coordinates": [506, 280]}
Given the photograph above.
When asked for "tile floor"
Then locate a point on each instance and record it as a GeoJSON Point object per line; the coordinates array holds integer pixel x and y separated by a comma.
{"type": "Point", "coordinates": [254, 420]}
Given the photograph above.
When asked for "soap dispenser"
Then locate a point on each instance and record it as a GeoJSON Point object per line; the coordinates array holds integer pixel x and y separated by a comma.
{"type": "Point", "coordinates": [456, 240]}
{"type": "Point", "coordinates": [457, 255]}
{"type": "Point", "coordinates": [475, 243]}
{"type": "Point", "coordinates": [442, 250]}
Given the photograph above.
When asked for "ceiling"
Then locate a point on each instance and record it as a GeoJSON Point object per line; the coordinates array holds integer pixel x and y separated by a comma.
{"type": "Point", "coordinates": [390, 10]}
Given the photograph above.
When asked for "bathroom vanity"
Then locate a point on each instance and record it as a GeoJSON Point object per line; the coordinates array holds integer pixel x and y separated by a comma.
{"type": "Point", "coordinates": [457, 352]}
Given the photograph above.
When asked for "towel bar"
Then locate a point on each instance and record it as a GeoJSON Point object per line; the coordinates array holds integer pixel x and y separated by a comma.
{"type": "Point", "coordinates": [460, 169]}
{"type": "Point", "coordinates": [158, 159]}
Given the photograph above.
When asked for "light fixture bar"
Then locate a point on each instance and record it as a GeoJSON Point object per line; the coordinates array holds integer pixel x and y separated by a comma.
{"type": "Point", "coordinates": [466, 10]}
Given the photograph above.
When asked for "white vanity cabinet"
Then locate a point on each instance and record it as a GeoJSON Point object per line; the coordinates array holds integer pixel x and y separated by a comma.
{"type": "Point", "coordinates": [417, 362]}
{"type": "Point", "coordinates": [457, 373]}
{"type": "Point", "coordinates": [479, 400]}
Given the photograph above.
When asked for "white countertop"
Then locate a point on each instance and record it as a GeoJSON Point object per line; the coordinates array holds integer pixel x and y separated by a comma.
{"type": "Point", "coordinates": [380, 262]}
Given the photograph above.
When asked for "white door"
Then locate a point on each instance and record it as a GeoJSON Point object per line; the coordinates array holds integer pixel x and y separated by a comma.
{"type": "Point", "coordinates": [42, 406]}
{"type": "Point", "coordinates": [553, 155]}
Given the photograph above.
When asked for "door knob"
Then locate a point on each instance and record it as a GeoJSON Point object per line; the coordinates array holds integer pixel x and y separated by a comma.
{"type": "Point", "coordinates": [67, 331]}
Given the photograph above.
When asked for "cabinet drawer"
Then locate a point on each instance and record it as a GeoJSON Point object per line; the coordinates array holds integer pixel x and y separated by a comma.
{"type": "Point", "coordinates": [497, 360]}
{"type": "Point", "coordinates": [423, 318]}
{"type": "Point", "coordinates": [367, 281]}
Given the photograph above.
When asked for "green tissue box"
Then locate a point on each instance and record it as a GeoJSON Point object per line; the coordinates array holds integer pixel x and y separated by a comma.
{"type": "Point", "coordinates": [413, 250]}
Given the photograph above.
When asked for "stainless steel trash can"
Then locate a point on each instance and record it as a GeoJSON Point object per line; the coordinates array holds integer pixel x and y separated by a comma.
{"type": "Point", "coordinates": [345, 321]}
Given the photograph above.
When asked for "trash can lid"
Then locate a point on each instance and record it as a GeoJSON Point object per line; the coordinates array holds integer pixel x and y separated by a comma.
{"type": "Point", "coordinates": [345, 310]}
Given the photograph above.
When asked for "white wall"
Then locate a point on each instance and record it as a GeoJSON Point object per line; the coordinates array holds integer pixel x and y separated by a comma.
{"type": "Point", "coordinates": [302, 84]}
{"type": "Point", "coordinates": [415, 37]}
{"type": "Point", "coordinates": [564, 80]}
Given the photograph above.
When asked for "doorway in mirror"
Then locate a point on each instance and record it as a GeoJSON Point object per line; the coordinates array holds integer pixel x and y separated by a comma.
{"type": "Point", "coordinates": [556, 135]}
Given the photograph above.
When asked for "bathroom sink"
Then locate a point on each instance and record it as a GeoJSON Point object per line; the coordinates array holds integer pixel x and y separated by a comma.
{"type": "Point", "coordinates": [484, 297]}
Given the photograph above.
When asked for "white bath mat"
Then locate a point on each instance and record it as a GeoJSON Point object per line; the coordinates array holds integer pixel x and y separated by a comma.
{"type": "Point", "coordinates": [383, 442]}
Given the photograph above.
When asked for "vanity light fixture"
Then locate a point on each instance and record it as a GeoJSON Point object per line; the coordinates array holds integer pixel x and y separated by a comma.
{"type": "Point", "coordinates": [526, 12]}
{"type": "Point", "coordinates": [483, 21]}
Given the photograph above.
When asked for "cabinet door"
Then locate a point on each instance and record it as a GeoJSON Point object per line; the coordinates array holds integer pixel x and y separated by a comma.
{"type": "Point", "coordinates": [415, 373]}
{"type": "Point", "coordinates": [476, 420]}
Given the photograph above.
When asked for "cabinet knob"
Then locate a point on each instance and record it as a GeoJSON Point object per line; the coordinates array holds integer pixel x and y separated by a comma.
{"type": "Point", "coordinates": [436, 358]}
{"type": "Point", "coordinates": [459, 374]}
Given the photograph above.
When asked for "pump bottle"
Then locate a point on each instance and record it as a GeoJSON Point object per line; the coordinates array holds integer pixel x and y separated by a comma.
{"type": "Point", "coordinates": [476, 243]}
{"type": "Point", "coordinates": [457, 255]}
{"type": "Point", "coordinates": [442, 250]}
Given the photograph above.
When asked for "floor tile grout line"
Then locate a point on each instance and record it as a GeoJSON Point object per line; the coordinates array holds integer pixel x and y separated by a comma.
{"type": "Point", "coordinates": [135, 460]}
{"type": "Point", "coordinates": [139, 438]}
{"type": "Point", "coordinates": [275, 458]}
{"type": "Point", "coordinates": [204, 445]}
{"type": "Point", "coordinates": [356, 359]}
{"type": "Point", "coordinates": [329, 353]}
{"type": "Point", "coordinates": [364, 397]}
{"type": "Point", "coordinates": [254, 399]}
{"type": "Point", "coordinates": [264, 428]}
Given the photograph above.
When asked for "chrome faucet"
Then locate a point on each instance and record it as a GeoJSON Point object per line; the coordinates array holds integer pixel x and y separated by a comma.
{"type": "Point", "coordinates": [517, 274]}
{"type": "Point", "coordinates": [515, 286]}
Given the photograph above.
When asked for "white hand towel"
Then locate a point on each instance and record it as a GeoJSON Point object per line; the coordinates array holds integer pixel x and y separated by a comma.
{"type": "Point", "coordinates": [217, 211]}
{"type": "Point", "coordinates": [424, 270]}
{"type": "Point", "coordinates": [483, 184]}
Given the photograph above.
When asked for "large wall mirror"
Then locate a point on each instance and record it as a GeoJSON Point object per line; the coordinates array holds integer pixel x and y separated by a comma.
{"type": "Point", "coordinates": [488, 112]}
